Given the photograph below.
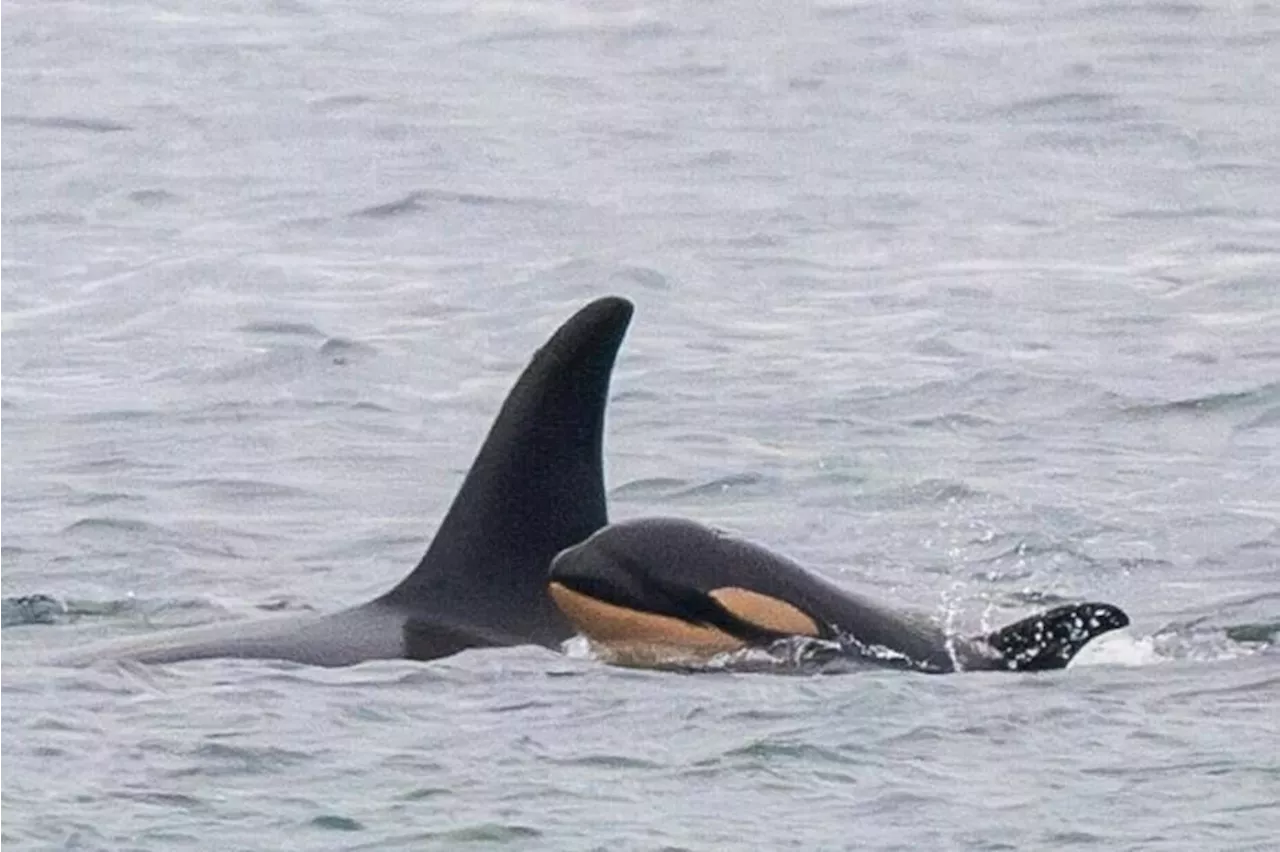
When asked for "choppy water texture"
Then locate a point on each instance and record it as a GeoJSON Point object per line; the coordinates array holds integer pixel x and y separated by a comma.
{"type": "Point", "coordinates": [970, 306]}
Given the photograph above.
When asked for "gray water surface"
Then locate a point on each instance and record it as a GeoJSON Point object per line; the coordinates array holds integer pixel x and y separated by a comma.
{"type": "Point", "coordinates": [972, 307]}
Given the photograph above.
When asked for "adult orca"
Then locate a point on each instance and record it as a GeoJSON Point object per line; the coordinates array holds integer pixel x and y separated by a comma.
{"type": "Point", "coordinates": [659, 591]}
{"type": "Point", "coordinates": [536, 487]}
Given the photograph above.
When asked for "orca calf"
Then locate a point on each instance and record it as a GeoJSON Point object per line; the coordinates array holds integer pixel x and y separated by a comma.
{"type": "Point", "coordinates": [535, 488]}
{"type": "Point", "coordinates": [661, 591]}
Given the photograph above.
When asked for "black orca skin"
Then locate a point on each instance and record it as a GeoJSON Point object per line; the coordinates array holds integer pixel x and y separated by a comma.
{"type": "Point", "coordinates": [535, 488]}
{"type": "Point", "coordinates": [673, 582]}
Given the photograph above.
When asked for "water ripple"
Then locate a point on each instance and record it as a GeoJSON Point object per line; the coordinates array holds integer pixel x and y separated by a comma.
{"type": "Point", "coordinates": [66, 122]}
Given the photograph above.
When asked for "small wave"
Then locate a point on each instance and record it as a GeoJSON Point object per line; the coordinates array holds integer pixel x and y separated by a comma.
{"type": "Point", "coordinates": [117, 462]}
{"type": "Point", "coordinates": [152, 197]}
{"type": "Point", "coordinates": [335, 822]}
{"type": "Point", "coordinates": [286, 361]}
{"type": "Point", "coordinates": [158, 797]}
{"type": "Point", "coordinates": [1227, 629]}
{"type": "Point", "coordinates": [925, 493]}
{"type": "Point", "coordinates": [330, 404]}
{"type": "Point", "coordinates": [986, 393]}
{"type": "Point", "coordinates": [52, 217]}
{"type": "Point", "coordinates": [341, 350]}
{"type": "Point", "coordinates": [669, 488]}
{"type": "Point", "coordinates": [46, 609]}
{"type": "Point", "coordinates": [67, 122]}
{"type": "Point", "coordinates": [1072, 107]}
{"type": "Point", "coordinates": [771, 749]}
{"type": "Point", "coordinates": [1265, 420]}
{"type": "Point", "coordinates": [530, 30]}
{"type": "Point", "coordinates": [1035, 597]}
{"type": "Point", "coordinates": [339, 102]}
{"type": "Point", "coordinates": [953, 422]}
{"type": "Point", "coordinates": [1261, 633]}
{"type": "Point", "coordinates": [113, 525]}
{"type": "Point", "coordinates": [720, 486]}
{"type": "Point", "coordinates": [641, 276]}
{"type": "Point", "coordinates": [225, 759]}
{"type": "Point", "coordinates": [284, 603]}
{"type": "Point", "coordinates": [235, 411]}
{"type": "Point", "coordinates": [485, 833]}
{"type": "Point", "coordinates": [635, 395]}
{"type": "Point", "coordinates": [102, 498]}
{"type": "Point", "coordinates": [1017, 549]}
{"type": "Point", "coordinates": [239, 489]}
{"type": "Point", "coordinates": [422, 200]}
{"type": "Point", "coordinates": [608, 761]}
{"type": "Point", "coordinates": [420, 793]}
{"type": "Point", "coordinates": [107, 528]}
{"type": "Point", "coordinates": [282, 327]}
{"type": "Point", "coordinates": [30, 609]}
{"type": "Point", "coordinates": [408, 204]}
{"type": "Point", "coordinates": [1156, 214]}
{"type": "Point", "coordinates": [1267, 394]}
{"type": "Point", "coordinates": [652, 486]}
{"type": "Point", "coordinates": [119, 415]}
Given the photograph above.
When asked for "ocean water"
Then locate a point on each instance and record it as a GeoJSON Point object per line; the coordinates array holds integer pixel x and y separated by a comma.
{"type": "Point", "coordinates": [970, 307]}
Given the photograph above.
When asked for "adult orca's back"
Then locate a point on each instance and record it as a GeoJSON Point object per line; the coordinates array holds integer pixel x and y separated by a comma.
{"type": "Point", "coordinates": [535, 488]}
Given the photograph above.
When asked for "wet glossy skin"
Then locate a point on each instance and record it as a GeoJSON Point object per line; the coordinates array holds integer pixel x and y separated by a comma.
{"type": "Point", "coordinates": [671, 585]}
{"type": "Point", "coordinates": [535, 488]}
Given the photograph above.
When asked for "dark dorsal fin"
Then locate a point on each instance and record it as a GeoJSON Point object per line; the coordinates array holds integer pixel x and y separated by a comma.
{"type": "Point", "coordinates": [535, 488]}
{"type": "Point", "coordinates": [1049, 640]}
